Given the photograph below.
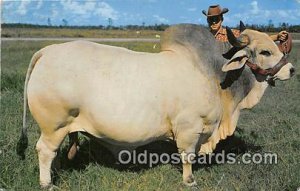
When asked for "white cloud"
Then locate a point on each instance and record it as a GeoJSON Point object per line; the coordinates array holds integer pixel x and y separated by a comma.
{"type": "Point", "coordinates": [298, 1]}
{"type": "Point", "coordinates": [39, 4]}
{"type": "Point", "coordinates": [55, 16]}
{"type": "Point", "coordinates": [192, 9]}
{"type": "Point", "coordinates": [22, 9]}
{"type": "Point", "coordinates": [105, 10]}
{"type": "Point", "coordinates": [255, 9]}
{"type": "Point", "coordinates": [90, 8]}
{"type": "Point", "coordinates": [78, 8]}
{"type": "Point", "coordinates": [132, 18]}
{"type": "Point", "coordinates": [8, 5]}
{"type": "Point", "coordinates": [257, 15]}
{"type": "Point", "coordinates": [161, 19]}
{"type": "Point", "coordinates": [267, 13]}
{"type": "Point", "coordinates": [54, 13]}
{"type": "Point", "coordinates": [283, 13]}
{"type": "Point", "coordinates": [288, 15]}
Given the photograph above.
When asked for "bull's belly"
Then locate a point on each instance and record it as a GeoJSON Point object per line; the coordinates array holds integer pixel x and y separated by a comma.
{"type": "Point", "coordinates": [123, 129]}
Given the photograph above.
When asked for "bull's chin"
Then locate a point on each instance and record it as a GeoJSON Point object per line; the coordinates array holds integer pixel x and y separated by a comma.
{"type": "Point", "coordinates": [271, 81]}
{"type": "Point", "coordinates": [285, 73]}
{"type": "Point", "coordinates": [282, 78]}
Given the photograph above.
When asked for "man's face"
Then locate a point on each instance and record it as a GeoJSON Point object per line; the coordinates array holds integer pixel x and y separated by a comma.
{"type": "Point", "coordinates": [214, 22]}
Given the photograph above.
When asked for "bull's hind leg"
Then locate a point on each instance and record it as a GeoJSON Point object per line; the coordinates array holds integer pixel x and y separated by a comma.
{"type": "Point", "coordinates": [53, 120]}
{"type": "Point", "coordinates": [47, 147]}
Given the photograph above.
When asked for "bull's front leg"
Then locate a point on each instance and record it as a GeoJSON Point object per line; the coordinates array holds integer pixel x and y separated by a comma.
{"type": "Point", "coordinates": [187, 140]}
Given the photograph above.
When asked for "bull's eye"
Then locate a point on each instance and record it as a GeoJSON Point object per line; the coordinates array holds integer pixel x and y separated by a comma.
{"type": "Point", "coordinates": [265, 53]}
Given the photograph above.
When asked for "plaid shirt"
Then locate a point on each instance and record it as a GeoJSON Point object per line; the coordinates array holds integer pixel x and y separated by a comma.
{"type": "Point", "coordinates": [221, 35]}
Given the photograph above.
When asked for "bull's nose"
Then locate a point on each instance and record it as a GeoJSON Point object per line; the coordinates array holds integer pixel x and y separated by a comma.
{"type": "Point", "coordinates": [292, 71]}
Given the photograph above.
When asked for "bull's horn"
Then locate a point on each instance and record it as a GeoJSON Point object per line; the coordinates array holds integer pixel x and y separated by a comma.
{"type": "Point", "coordinates": [242, 26]}
{"type": "Point", "coordinates": [242, 41]}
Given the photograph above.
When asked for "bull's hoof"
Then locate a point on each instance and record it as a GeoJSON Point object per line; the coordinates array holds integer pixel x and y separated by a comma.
{"type": "Point", "coordinates": [192, 184]}
{"type": "Point", "coordinates": [190, 181]}
{"type": "Point", "coordinates": [46, 187]}
{"type": "Point", "coordinates": [49, 187]}
{"type": "Point", "coordinates": [195, 188]}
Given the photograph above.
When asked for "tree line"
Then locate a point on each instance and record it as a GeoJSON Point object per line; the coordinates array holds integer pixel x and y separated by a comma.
{"type": "Point", "coordinates": [158, 27]}
{"type": "Point", "coordinates": [272, 28]}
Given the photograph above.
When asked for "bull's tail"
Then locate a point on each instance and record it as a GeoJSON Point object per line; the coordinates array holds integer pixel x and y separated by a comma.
{"type": "Point", "coordinates": [23, 141]}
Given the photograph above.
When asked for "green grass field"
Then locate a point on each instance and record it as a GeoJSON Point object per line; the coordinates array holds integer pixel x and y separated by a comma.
{"type": "Point", "coordinates": [77, 33]}
{"type": "Point", "coordinates": [272, 126]}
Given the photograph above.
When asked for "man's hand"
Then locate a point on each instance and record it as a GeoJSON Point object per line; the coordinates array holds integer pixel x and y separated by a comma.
{"type": "Point", "coordinates": [282, 36]}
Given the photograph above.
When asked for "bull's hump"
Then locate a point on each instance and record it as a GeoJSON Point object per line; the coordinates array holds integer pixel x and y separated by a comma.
{"type": "Point", "coordinates": [187, 35]}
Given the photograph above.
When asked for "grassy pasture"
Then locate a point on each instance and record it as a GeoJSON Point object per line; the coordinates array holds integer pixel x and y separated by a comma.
{"type": "Point", "coordinates": [272, 126]}
{"type": "Point", "coordinates": [77, 33]}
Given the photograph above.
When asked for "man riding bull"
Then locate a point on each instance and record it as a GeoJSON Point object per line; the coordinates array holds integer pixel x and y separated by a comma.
{"type": "Point", "coordinates": [215, 18]}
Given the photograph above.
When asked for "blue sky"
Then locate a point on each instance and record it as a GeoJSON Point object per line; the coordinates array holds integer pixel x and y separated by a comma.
{"type": "Point", "coordinates": [124, 12]}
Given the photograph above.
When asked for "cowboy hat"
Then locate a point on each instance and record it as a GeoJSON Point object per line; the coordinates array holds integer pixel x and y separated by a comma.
{"type": "Point", "coordinates": [215, 10]}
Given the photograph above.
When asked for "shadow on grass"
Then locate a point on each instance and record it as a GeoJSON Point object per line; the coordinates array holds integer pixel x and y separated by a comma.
{"type": "Point", "coordinates": [91, 151]}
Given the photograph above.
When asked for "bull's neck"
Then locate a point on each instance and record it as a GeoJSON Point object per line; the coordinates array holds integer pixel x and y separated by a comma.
{"type": "Point", "coordinates": [242, 88]}
{"type": "Point", "coordinates": [236, 99]}
{"type": "Point", "coordinates": [254, 96]}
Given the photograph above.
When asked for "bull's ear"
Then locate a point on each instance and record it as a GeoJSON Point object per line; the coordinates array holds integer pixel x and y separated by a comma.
{"type": "Point", "coordinates": [237, 61]}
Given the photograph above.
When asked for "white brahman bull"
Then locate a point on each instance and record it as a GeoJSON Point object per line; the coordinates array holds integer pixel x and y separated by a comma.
{"type": "Point", "coordinates": [188, 92]}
